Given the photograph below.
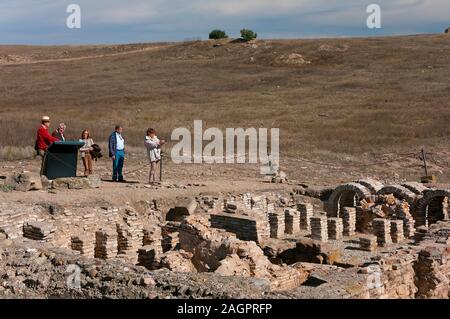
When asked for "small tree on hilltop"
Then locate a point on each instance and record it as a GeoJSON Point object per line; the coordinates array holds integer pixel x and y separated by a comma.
{"type": "Point", "coordinates": [217, 34]}
{"type": "Point", "coordinates": [248, 35]}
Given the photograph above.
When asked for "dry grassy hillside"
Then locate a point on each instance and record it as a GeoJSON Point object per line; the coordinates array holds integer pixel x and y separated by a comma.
{"type": "Point", "coordinates": [345, 96]}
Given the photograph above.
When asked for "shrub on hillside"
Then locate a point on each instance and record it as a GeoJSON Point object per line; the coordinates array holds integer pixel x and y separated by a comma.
{"type": "Point", "coordinates": [217, 34]}
{"type": "Point", "coordinates": [248, 35]}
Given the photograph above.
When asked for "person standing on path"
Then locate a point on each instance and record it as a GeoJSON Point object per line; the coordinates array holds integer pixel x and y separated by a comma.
{"type": "Point", "coordinates": [153, 145]}
{"type": "Point", "coordinates": [117, 153]}
{"type": "Point", "coordinates": [86, 151]}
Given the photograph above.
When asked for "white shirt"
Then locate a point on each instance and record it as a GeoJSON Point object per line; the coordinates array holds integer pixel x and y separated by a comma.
{"type": "Point", "coordinates": [120, 142]}
{"type": "Point", "coordinates": [153, 150]}
{"type": "Point", "coordinates": [87, 145]}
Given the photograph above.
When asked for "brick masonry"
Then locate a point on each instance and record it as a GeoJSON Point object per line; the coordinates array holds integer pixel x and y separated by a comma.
{"type": "Point", "coordinates": [245, 227]}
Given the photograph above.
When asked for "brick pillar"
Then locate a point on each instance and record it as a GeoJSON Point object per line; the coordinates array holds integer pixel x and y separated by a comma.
{"type": "Point", "coordinates": [84, 244]}
{"type": "Point", "coordinates": [335, 228]}
{"type": "Point", "coordinates": [397, 231]}
{"type": "Point", "coordinates": [105, 244]}
{"type": "Point", "coordinates": [368, 242]}
{"type": "Point", "coordinates": [319, 228]}
{"type": "Point", "coordinates": [408, 227]}
{"type": "Point", "coordinates": [149, 256]}
{"type": "Point", "coordinates": [349, 220]}
{"type": "Point", "coordinates": [276, 221]}
{"type": "Point", "coordinates": [291, 221]}
{"type": "Point", "coordinates": [382, 229]}
{"type": "Point", "coordinates": [306, 212]}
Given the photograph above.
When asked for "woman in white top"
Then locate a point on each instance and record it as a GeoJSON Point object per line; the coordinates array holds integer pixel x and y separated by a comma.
{"type": "Point", "coordinates": [86, 152]}
{"type": "Point", "coordinates": [153, 145]}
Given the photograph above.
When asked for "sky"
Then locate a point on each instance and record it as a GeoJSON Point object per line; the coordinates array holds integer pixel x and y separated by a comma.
{"type": "Point", "coordinates": [43, 22]}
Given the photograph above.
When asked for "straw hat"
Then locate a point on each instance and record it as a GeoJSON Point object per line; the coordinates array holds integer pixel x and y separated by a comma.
{"type": "Point", "coordinates": [45, 119]}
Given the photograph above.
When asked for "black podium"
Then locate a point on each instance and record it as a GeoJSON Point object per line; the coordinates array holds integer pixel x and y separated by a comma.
{"type": "Point", "coordinates": [61, 159]}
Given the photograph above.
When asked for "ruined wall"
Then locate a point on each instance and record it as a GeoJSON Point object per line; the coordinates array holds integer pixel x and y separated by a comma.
{"type": "Point", "coordinates": [397, 277]}
{"type": "Point", "coordinates": [413, 272]}
{"type": "Point", "coordinates": [215, 250]}
{"type": "Point", "coordinates": [227, 245]}
{"type": "Point", "coordinates": [253, 228]}
{"type": "Point", "coordinates": [44, 273]}
{"type": "Point", "coordinates": [432, 269]}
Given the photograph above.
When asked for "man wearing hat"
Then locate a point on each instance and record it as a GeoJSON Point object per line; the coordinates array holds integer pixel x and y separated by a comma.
{"type": "Point", "coordinates": [43, 138]}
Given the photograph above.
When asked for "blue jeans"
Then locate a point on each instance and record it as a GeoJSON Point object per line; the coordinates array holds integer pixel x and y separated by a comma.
{"type": "Point", "coordinates": [118, 166]}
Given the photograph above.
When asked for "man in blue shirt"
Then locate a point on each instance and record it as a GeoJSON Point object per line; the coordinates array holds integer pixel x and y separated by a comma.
{"type": "Point", "coordinates": [117, 153]}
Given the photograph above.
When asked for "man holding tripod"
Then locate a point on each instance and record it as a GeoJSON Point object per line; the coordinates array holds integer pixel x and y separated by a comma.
{"type": "Point", "coordinates": [153, 145]}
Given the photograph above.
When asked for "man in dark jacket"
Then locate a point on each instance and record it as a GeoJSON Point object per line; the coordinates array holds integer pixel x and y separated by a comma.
{"type": "Point", "coordinates": [117, 153]}
{"type": "Point", "coordinates": [59, 132]}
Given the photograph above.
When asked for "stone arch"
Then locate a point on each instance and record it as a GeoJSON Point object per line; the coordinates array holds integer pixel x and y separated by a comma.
{"type": "Point", "coordinates": [432, 207]}
{"type": "Point", "coordinates": [371, 184]}
{"type": "Point", "coordinates": [346, 195]}
{"type": "Point", "coordinates": [415, 187]}
{"type": "Point", "coordinates": [401, 193]}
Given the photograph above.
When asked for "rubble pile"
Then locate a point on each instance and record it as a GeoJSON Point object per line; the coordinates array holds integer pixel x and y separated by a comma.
{"type": "Point", "coordinates": [24, 182]}
{"type": "Point", "coordinates": [387, 207]}
{"type": "Point", "coordinates": [177, 260]}
{"type": "Point", "coordinates": [217, 250]}
{"type": "Point", "coordinates": [432, 269]}
{"type": "Point", "coordinates": [44, 274]}
{"type": "Point", "coordinates": [208, 203]}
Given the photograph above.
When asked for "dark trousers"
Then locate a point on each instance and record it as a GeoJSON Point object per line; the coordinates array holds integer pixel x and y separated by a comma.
{"type": "Point", "coordinates": [118, 166]}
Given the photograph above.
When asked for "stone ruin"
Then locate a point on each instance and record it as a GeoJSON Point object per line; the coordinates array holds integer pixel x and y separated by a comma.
{"type": "Point", "coordinates": [364, 240]}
